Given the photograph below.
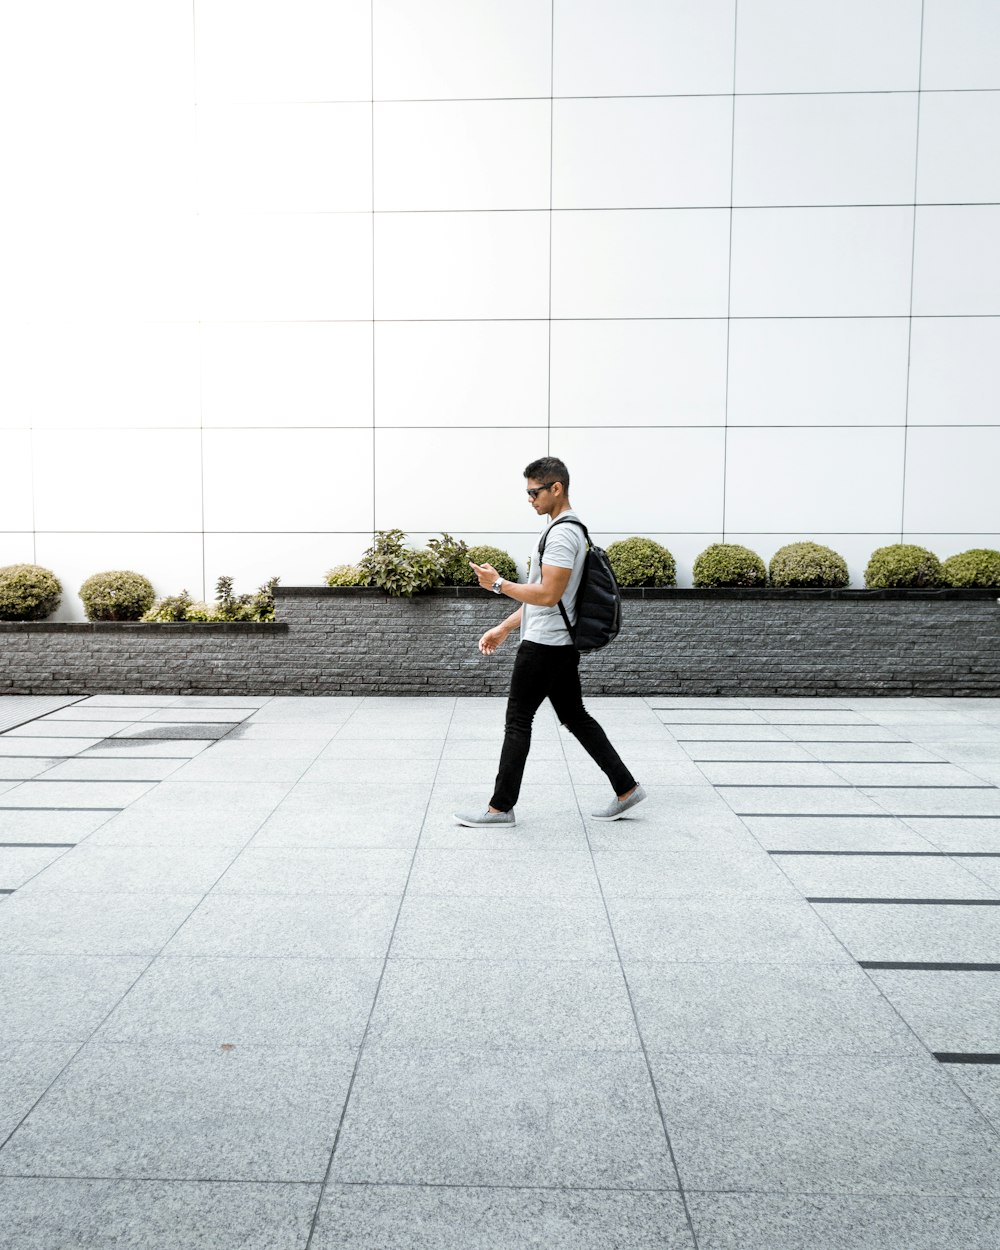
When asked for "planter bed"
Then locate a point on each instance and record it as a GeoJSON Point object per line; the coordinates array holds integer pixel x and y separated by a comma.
{"type": "Point", "coordinates": [683, 641]}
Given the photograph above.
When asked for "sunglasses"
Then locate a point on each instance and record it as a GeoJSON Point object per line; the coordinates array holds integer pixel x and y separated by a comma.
{"type": "Point", "coordinates": [535, 491]}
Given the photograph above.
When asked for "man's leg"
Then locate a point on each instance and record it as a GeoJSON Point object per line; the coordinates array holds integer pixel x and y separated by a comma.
{"type": "Point", "coordinates": [528, 687]}
{"type": "Point", "coordinates": [567, 699]}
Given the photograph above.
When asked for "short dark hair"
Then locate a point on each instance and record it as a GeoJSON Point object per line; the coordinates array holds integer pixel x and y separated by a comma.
{"type": "Point", "coordinates": [548, 469]}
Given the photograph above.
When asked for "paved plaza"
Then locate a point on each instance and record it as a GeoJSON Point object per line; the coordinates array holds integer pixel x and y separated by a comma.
{"type": "Point", "coordinates": [259, 991]}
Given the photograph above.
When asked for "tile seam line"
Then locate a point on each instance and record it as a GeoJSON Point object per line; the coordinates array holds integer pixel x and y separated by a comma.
{"type": "Point", "coordinates": [635, 1018]}
{"type": "Point", "coordinates": [326, 1179]}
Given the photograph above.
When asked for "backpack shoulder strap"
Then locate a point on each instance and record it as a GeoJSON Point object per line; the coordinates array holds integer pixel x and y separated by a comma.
{"type": "Point", "coordinates": [541, 550]}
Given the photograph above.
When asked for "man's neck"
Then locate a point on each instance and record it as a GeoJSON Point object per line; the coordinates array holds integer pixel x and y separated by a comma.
{"type": "Point", "coordinates": [565, 506]}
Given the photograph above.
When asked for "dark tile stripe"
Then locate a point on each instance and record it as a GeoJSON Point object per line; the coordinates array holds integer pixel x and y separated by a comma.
{"type": "Point", "coordinates": [949, 1056]}
{"type": "Point", "coordinates": [8, 845]}
{"type": "Point", "coordinates": [895, 965]}
{"type": "Point", "coordinates": [916, 902]}
{"type": "Point", "coordinates": [910, 854]}
{"type": "Point", "coordinates": [62, 809]}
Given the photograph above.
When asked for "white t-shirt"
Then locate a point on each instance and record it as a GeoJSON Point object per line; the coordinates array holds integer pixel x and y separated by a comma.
{"type": "Point", "coordinates": [565, 547]}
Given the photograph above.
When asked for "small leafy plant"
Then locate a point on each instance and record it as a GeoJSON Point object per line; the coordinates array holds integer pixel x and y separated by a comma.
{"type": "Point", "coordinates": [346, 575]}
{"type": "Point", "coordinates": [398, 569]}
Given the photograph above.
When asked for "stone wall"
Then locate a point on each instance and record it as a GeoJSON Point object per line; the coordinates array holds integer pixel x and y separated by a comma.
{"type": "Point", "coordinates": [674, 642]}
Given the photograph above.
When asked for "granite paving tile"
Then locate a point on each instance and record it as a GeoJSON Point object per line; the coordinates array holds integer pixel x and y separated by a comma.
{"type": "Point", "coordinates": [149, 731]}
{"type": "Point", "coordinates": [37, 825]}
{"type": "Point", "coordinates": [42, 1214]}
{"type": "Point", "coordinates": [790, 1123]}
{"type": "Point", "coordinates": [475, 1117]}
{"type": "Point", "coordinates": [844, 733]}
{"type": "Point", "coordinates": [949, 801]}
{"type": "Point", "coordinates": [479, 776]}
{"type": "Point", "coordinates": [86, 768]}
{"type": "Point", "coordinates": [891, 876]}
{"type": "Point", "coordinates": [372, 1217]}
{"type": "Point", "coordinates": [835, 753]}
{"type": "Point", "coordinates": [50, 998]}
{"type": "Point", "coordinates": [139, 748]}
{"type": "Point", "coordinates": [683, 874]}
{"type": "Point", "coordinates": [956, 1012]}
{"type": "Point", "coordinates": [317, 870]}
{"type": "Point", "coordinates": [237, 1001]}
{"type": "Point", "coordinates": [757, 732]}
{"type": "Point", "coordinates": [550, 927]}
{"type": "Point", "coordinates": [380, 749]}
{"type": "Point", "coordinates": [57, 923]}
{"type": "Point", "coordinates": [290, 926]}
{"type": "Point", "coordinates": [20, 767]}
{"type": "Point", "coordinates": [981, 1084]}
{"type": "Point", "coordinates": [60, 731]}
{"type": "Point", "coordinates": [746, 1008]}
{"type": "Point", "coordinates": [742, 752]}
{"type": "Point", "coordinates": [718, 927]}
{"type": "Point", "coordinates": [511, 1005]}
{"type": "Point", "coordinates": [44, 745]}
{"type": "Point", "coordinates": [797, 774]}
{"type": "Point", "coordinates": [335, 772]}
{"type": "Point", "coordinates": [840, 800]}
{"type": "Point", "coordinates": [207, 768]}
{"type": "Point", "coordinates": [843, 1222]}
{"type": "Point", "coordinates": [18, 864]}
{"type": "Point", "coordinates": [183, 1111]}
{"type": "Point", "coordinates": [263, 750]}
{"type": "Point", "coordinates": [75, 794]}
{"type": "Point", "coordinates": [836, 833]}
{"type": "Point", "coordinates": [495, 872]}
{"type": "Point", "coordinates": [26, 1071]}
{"type": "Point", "coordinates": [881, 775]}
{"type": "Point", "coordinates": [916, 934]}
{"type": "Point", "coordinates": [980, 833]}
{"type": "Point", "coordinates": [177, 827]}
{"type": "Point", "coordinates": [95, 869]}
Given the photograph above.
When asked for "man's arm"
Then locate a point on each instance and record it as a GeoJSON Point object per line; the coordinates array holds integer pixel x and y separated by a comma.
{"type": "Point", "coordinates": [544, 594]}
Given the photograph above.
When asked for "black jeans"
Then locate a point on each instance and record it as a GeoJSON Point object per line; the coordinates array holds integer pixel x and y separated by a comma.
{"type": "Point", "coordinates": [542, 672]}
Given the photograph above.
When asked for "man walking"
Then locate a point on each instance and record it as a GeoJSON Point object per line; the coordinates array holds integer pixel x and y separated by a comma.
{"type": "Point", "coordinates": [546, 665]}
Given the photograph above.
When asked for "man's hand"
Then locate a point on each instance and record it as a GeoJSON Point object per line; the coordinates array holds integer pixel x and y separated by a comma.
{"type": "Point", "coordinates": [492, 639]}
{"type": "Point", "coordinates": [486, 573]}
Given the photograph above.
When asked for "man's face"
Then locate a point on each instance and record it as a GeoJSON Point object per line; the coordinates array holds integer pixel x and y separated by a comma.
{"type": "Point", "coordinates": [544, 499]}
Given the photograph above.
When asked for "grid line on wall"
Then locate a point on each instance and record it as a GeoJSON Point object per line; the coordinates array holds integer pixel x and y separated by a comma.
{"type": "Point", "coordinates": [552, 109]}
{"type": "Point", "coordinates": [913, 258]}
{"type": "Point", "coordinates": [371, 15]}
{"type": "Point", "coordinates": [729, 268]}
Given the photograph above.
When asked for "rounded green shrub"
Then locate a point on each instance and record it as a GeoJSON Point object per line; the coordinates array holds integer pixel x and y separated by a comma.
{"type": "Point", "coordinates": [808, 564]}
{"type": "Point", "coordinates": [642, 562]}
{"type": "Point", "coordinates": [729, 564]}
{"type": "Point", "coordinates": [485, 554]}
{"type": "Point", "coordinates": [979, 566]}
{"type": "Point", "coordinates": [903, 564]}
{"type": "Point", "coordinates": [119, 595]}
{"type": "Point", "coordinates": [28, 592]}
{"type": "Point", "coordinates": [345, 575]}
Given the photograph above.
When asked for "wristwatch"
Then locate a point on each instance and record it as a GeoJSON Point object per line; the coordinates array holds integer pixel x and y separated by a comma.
{"type": "Point", "coordinates": [496, 587]}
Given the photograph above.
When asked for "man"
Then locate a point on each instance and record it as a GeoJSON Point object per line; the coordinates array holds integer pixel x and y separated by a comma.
{"type": "Point", "coordinates": [546, 665]}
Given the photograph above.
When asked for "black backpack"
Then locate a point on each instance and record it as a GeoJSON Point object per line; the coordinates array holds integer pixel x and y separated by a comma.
{"type": "Point", "coordinates": [598, 602]}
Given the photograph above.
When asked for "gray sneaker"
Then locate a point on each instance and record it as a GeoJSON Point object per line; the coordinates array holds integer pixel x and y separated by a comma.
{"type": "Point", "coordinates": [486, 819]}
{"type": "Point", "coordinates": [618, 807]}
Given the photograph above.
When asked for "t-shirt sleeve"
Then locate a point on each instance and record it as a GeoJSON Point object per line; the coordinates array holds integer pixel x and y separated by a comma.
{"type": "Point", "coordinates": [562, 547]}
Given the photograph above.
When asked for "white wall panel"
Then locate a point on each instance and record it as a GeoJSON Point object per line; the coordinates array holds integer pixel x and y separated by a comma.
{"type": "Point", "coordinates": [855, 548]}
{"type": "Point", "coordinates": [125, 374]}
{"type": "Point", "coordinates": [172, 562]}
{"type": "Point", "coordinates": [955, 371]}
{"type": "Point", "coordinates": [286, 373]}
{"type": "Point", "coordinates": [813, 479]}
{"type": "Point", "coordinates": [821, 262]}
{"type": "Point", "coordinates": [951, 544]}
{"type": "Point", "coordinates": [462, 482]}
{"type": "Point", "coordinates": [818, 371]}
{"type": "Point", "coordinates": [16, 548]}
{"type": "Point", "coordinates": [117, 480]}
{"type": "Point", "coordinates": [610, 373]}
{"type": "Point", "coordinates": [16, 496]}
{"type": "Point", "coordinates": [635, 47]}
{"type": "Point", "coordinates": [296, 559]}
{"type": "Point", "coordinates": [959, 147]}
{"type": "Point", "coordinates": [647, 263]}
{"type": "Point", "coordinates": [828, 45]}
{"type": "Point", "coordinates": [488, 265]}
{"type": "Point", "coordinates": [274, 480]}
{"type": "Point", "coordinates": [105, 265]}
{"type": "Point", "coordinates": [645, 481]}
{"type": "Point", "coordinates": [97, 156]}
{"type": "Point", "coordinates": [641, 153]}
{"type": "Point", "coordinates": [102, 52]}
{"type": "Point", "coordinates": [283, 49]}
{"type": "Point", "coordinates": [289, 267]}
{"type": "Point", "coordinates": [956, 262]}
{"type": "Point", "coordinates": [479, 373]}
{"type": "Point", "coordinates": [951, 479]}
{"type": "Point", "coordinates": [961, 44]}
{"type": "Point", "coordinates": [301, 158]}
{"type": "Point", "coordinates": [461, 49]}
{"type": "Point", "coordinates": [825, 149]}
{"type": "Point", "coordinates": [462, 154]}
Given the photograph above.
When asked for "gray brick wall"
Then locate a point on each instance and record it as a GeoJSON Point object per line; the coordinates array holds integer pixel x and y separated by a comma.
{"type": "Point", "coordinates": [685, 642]}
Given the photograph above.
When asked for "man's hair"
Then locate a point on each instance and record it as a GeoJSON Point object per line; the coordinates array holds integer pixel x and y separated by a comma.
{"type": "Point", "coordinates": [548, 469]}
